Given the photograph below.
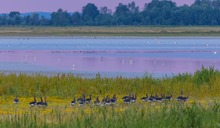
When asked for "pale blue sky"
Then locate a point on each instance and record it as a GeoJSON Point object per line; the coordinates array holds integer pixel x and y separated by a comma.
{"type": "Point", "coordinates": [69, 5]}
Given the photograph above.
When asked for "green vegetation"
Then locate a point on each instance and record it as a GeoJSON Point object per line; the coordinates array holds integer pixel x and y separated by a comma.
{"type": "Point", "coordinates": [202, 110]}
{"type": "Point", "coordinates": [204, 83]}
{"type": "Point", "coordinates": [141, 116]}
{"type": "Point", "coordinates": [138, 31]}
{"type": "Point", "coordinates": [156, 12]}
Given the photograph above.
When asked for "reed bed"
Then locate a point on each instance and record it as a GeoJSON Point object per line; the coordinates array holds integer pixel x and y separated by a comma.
{"type": "Point", "coordinates": [129, 116]}
{"type": "Point", "coordinates": [204, 83]}
{"type": "Point", "coordinates": [202, 109]}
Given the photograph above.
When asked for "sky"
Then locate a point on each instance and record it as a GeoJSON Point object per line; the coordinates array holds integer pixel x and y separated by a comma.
{"type": "Point", "coordinates": [68, 5]}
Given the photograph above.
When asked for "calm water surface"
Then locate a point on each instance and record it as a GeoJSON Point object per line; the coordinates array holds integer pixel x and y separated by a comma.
{"type": "Point", "coordinates": [111, 57]}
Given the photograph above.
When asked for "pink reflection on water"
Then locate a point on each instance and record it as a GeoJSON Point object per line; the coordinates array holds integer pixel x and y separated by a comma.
{"type": "Point", "coordinates": [64, 61]}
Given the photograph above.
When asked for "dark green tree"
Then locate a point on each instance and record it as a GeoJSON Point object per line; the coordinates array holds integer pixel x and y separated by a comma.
{"type": "Point", "coordinates": [122, 15]}
{"type": "Point", "coordinates": [14, 18]}
{"type": "Point", "coordinates": [89, 13]}
{"type": "Point", "coordinates": [76, 18]}
{"type": "Point", "coordinates": [60, 18]}
{"type": "Point", "coordinates": [104, 17]}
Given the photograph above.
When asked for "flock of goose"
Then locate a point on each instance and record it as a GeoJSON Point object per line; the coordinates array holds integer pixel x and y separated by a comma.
{"type": "Point", "coordinates": [109, 100]}
{"type": "Point", "coordinates": [41, 103]}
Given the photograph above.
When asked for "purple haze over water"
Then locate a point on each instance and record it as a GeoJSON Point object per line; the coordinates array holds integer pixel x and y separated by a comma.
{"type": "Point", "coordinates": [129, 57]}
{"type": "Point", "coordinates": [69, 5]}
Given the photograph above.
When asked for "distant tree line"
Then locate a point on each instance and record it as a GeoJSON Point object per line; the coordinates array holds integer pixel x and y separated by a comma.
{"type": "Point", "coordinates": [157, 12]}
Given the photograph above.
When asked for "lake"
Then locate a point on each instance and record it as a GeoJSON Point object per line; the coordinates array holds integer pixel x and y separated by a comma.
{"type": "Point", "coordinates": [109, 56]}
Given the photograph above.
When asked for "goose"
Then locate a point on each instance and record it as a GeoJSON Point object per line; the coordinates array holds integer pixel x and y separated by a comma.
{"type": "Point", "coordinates": [33, 103]}
{"type": "Point", "coordinates": [133, 98]}
{"type": "Point", "coordinates": [126, 97]}
{"type": "Point", "coordinates": [169, 97]}
{"type": "Point", "coordinates": [89, 99]}
{"type": "Point", "coordinates": [182, 98]}
{"type": "Point", "coordinates": [127, 100]}
{"type": "Point", "coordinates": [145, 98]}
{"type": "Point", "coordinates": [73, 102]}
{"type": "Point", "coordinates": [45, 104]}
{"type": "Point", "coordinates": [113, 100]}
{"type": "Point", "coordinates": [107, 100]}
{"type": "Point", "coordinates": [97, 102]}
{"type": "Point", "coordinates": [40, 103]}
{"type": "Point", "coordinates": [152, 98]}
{"type": "Point", "coordinates": [160, 99]}
{"type": "Point", "coordinates": [16, 100]}
{"type": "Point", "coordinates": [103, 101]}
{"type": "Point", "coordinates": [81, 100]}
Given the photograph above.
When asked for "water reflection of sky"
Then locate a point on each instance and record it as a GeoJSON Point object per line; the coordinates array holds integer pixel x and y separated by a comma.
{"type": "Point", "coordinates": [130, 57]}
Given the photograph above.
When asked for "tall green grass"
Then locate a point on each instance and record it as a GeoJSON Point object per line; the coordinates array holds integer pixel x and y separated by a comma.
{"type": "Point", "coordinates": [203, 83]}
{"type": "Point", "coordinates": [174, 116]}
{"type": "Point", "coordinates": [203, 86]}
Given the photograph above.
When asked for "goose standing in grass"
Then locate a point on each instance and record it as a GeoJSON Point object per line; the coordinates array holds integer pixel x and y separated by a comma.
{"type": "Point", "coordinates": [16, 100]}
{"type": "Point", "coordinates": [127, 100]}
{"type": "Point", "coordinates": [160, 99]}
{"type": "Point", "coordinates": [107, 100]}
{"type": "Point", "coordinates": [73, 102]}
{"type": "Point", "coordinates": [113, 100]}
{"type": "Point", "coordinates": [97, 102]}
{"type": "Point", "coordinates": [182, 98]}
{"type": "Point", "coordinates": [133, 98]}
{"type": "Point", "coordinates": [45, 104]}
{"type": "Point", "coordinates": [33, 103]}
{"type": "Point", "coordinates": [169, 98]}
{"type": "Point", "coordinates": [152, 98]}
{"type": "Point", "coordinates": [126, 97]}
{"type": "Point", "coordinates": [88, 100]}
{"type": "Point", "coordinates": [40, 103]}
{"type": "Point", "coordinates": [81, 100]}
{"type": "Point", "coordinates": [104, 101]}
{"type": "Point", "coordinates": [145, 98]}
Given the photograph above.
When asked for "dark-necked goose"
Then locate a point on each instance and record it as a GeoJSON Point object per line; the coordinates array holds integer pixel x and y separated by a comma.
{"type": "Point", "coordinates": [97, 102]}
{"type": "Point", "coordinates": [81, 100]}
{"type": "Point", "coordinates": [133, 98]}
{"type": "Point", "coordinates": [73, 102]}
{"type": "Point", "coordinates": [127, 100]}
{"type": "Point", "coordinates": [126, 97]}
{"type": "Point", "coordinates": [145, 98]}
{"type": "Point", "coordinates": [169, 97]}
{"type": "Point", "coordinates": [182, 98]}
{"type": "Point", "coordinates": [152, 98]}
{"type": "Point", "coordinates": [33, 103]}
{"type": "Point", "coordinates": [88, 100]}
{"type": "Point", "coordinates": [45, 104]}
{"type": "Point", "coordinates": [107, 100]}
{"type": "Point", "coordinates": [16, 100]}
{"type": "Point", "coordinates": [103, 101]}
{"type": "Point", "coordinates": [160, 99]}
{"type": "Point", "coordinates": [40, 103]}
{"type": "Point", "coordinates": [113, 100]}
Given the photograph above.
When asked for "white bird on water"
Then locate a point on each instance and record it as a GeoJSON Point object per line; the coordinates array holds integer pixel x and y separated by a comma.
{"type": "Point", "coordinates": [73, 67]}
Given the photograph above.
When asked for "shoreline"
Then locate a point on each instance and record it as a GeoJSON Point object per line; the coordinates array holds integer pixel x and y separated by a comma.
{"type": "Point", "coordinates": [103, 31]}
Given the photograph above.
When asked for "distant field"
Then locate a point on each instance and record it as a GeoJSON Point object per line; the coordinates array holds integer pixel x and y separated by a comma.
{"type": "Point", "coordinates": [110, 31]}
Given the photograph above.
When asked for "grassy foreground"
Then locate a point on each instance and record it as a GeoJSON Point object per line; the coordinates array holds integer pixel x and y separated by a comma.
{"type": "Point", "coordinates": [110, 31]}
{"type": "Point", "coordinates": [202, 110]}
